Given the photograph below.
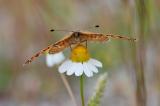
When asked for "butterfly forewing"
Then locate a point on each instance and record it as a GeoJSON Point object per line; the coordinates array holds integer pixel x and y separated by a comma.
{"type": "Point", "coordinates": [51, 49]}
{"type": "Point", "coordinates": [88, 36]}
{"type": "Point", "coordinates": [103, 37]}
{"type": "Point", "coordinates": [60, 45]}
{"type": "Point", "coordinates": [37, 55]}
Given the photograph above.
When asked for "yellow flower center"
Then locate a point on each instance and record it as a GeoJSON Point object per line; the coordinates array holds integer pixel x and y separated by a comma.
{"type": "Point", "coordinates": [79, 54]}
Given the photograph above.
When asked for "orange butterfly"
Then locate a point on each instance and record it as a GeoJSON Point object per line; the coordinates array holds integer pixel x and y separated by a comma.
{"type": "Point", "coordinates": [76, 37]}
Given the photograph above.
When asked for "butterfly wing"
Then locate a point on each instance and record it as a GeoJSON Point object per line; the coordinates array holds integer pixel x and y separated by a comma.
{"type": "Point", "coordinates": [51, 49]}
{"type": "Point", "coordinates": [89, 36]}
{"type": "Point", "coordinates": [37, 55]}
{"type": "Point", "coordinates": [60, 45]}
{"type": "Point", "coordinates": [120, 37]}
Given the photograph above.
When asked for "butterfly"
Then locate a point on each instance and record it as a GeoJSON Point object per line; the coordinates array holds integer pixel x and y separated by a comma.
{"type": "Point", "coordinates": [76, 37]}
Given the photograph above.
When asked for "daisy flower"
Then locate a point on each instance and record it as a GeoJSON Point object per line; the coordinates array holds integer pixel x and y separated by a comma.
{"type": "Point", "coordinates": [54, 59]}
{"type": "Point", "coordinates": [80, 62]}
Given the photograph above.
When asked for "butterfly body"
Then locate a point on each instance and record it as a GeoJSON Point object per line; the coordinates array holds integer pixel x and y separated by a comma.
{"type": "Point", "coordinates": [76, 37]}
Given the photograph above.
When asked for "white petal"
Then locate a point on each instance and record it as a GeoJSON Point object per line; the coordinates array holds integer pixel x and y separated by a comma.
{"type": "Point", "coordinates": [92, 67]}
{"type": "Point", "coordinates": [79, 69]}
{"type": "Point", "coordinates": [59, 57]}
{"type": "Point", "coordinates": [65, 66]}
{"type": "Point", "coordinates": [88, 72]}
{"type": "Point", "coordinates": [49, 60]}
{"type": "Point", "coordinates": [72, 69]}
{"type": "Point", "coordinates": [95, 62]}
{"type": "Point", "coordinates": [52, 59]}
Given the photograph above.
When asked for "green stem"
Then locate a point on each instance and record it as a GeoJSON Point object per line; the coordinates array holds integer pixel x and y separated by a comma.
{"type": "Point", "coordinates": [81, 90]}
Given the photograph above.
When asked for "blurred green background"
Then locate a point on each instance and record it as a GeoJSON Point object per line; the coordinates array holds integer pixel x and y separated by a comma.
{"type": "Point", "coordinates": [133, 68]}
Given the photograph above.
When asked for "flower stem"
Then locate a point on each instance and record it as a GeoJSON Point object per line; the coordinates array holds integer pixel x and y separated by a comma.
{"type": "Point", "coordinates": [81, 90]}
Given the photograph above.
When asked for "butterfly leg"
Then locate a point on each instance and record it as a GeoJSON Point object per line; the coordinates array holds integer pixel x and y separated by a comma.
{"type": "Point", "coordinates": [70, 47]}
{"type": "Point", "coordinates": [86, 43]}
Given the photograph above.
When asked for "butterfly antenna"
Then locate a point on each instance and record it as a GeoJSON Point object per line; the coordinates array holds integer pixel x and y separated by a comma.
{"type": "Point", "coordinates": [63, 30]}
{"type": "Point", "coordinates": [95, 26]}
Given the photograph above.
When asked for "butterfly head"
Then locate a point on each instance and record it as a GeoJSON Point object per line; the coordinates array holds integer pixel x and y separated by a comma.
{"type": "Point", "coordinates": [76, 36]}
